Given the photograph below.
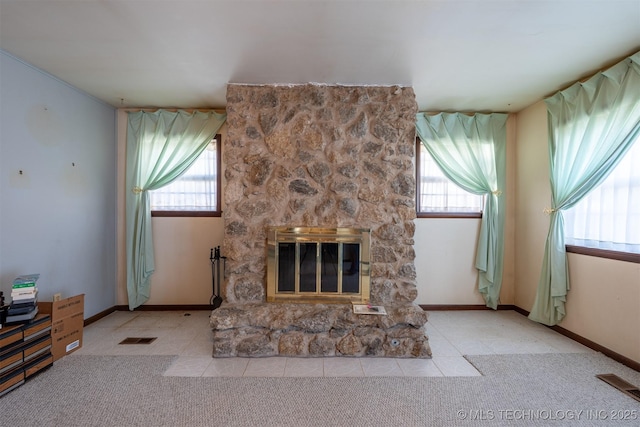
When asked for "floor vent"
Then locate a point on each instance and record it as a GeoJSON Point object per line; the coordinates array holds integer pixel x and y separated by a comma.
{"type": "Point", "coordinates": [137, 340]}
{"type": "Point", "coordinates": [620, 384]}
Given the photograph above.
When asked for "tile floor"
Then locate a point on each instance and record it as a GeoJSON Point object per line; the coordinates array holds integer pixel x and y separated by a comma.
{"type": "Point", "coordinates": [452, 334]}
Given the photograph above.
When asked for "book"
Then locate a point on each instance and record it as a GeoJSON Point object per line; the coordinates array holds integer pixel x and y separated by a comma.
{"type": "Point", "coordinates": [369, 309]}
{"type": "Point", "coordinates": [14, 311]}
{"type": "Point", "coordinates": [22, 317]}
{"type": "Point", "coordinates": [21, 304]}
{"type": "Point", "coordinates": [30, 297]}
{"type": "Point", "coordinates": [25, 281]}
{"type": "Point", "coordinates": [29, 292]}
{"type": "Point", "coordinates": [23, 285]}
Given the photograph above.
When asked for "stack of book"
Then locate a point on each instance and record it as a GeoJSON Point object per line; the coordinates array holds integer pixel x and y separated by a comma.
{"type": "Point", "coordinates": [24, 296]}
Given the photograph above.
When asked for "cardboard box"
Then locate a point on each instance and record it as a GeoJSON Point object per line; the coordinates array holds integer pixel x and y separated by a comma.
{"type": "Point", "coordinates": [67, 323]}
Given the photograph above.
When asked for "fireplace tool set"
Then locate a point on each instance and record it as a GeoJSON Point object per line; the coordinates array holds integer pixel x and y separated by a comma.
{"type": "Point", "coordinates": [218, 264]}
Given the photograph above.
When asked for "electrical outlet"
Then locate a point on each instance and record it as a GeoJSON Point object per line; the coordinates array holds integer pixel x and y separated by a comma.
{"type": "Point", "coordinates": [57, 297]}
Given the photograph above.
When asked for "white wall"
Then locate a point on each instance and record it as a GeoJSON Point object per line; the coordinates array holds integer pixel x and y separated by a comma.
{"type": "Point", "coordinates": [445, 258]}
{"type": "Point", "coordinates": [603, 304]}
{"type": "Point", "coordinates": [57, 218]}
{"type": "Point", "coordinates": [183, 270]}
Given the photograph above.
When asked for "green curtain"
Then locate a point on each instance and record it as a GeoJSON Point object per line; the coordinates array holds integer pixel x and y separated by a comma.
{"type": "Point", "coordinates": [160, 147]}
{"type": "Point", "coordinates": [591, 126]}
{"type": "Point", "coordinates": [471, 151]}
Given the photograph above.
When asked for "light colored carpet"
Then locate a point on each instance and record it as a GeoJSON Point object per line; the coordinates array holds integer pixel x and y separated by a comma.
{"type": "Point", "coordinates": [521, 390]}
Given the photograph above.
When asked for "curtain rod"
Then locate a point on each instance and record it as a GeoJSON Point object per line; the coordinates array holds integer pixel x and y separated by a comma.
{"type": "Point", "coordinates": [600, 70]}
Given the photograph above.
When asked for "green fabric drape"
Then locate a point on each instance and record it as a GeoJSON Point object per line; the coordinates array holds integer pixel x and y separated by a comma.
{"type": "Point", "coordinates": [471, 151]}
{"type": "Point", "coordinates": [591, 126]}
{"type": "Point", "coordinates": [160, 147]}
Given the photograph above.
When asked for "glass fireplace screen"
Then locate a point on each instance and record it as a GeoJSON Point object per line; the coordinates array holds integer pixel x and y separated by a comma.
{"type": "Point", "coordinates": [318, 264]}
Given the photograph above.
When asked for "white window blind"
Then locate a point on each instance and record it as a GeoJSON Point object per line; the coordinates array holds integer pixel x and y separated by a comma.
{"type": "Point", "coordinates": [437, 193]}
{"type": "Point", "coordinates": [609, 216]}
{"type": "Point", "coordinates": [195, 190]}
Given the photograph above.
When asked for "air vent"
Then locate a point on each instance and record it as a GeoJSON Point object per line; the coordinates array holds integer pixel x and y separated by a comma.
{"type": "Point", "coordinates": [138, 340]}
{"type": "Point", "coordinates": [617, 382]}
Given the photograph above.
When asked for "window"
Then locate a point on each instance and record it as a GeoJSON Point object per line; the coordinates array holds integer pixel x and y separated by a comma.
{"type": "Point", "coordinates": [437, 195]}
{"type": "Point", "coordinates": [196, 192]}
{"type": "Point", "coordinates": [608, 218]}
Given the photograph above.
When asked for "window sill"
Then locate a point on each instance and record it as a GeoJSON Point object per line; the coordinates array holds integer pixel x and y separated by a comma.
{"type": "Point", "coordinates": [186, 214]}
{"type": "Point", "coordinates": [449, 215]}
{"type": "Point", "coordinates": [626, 253]}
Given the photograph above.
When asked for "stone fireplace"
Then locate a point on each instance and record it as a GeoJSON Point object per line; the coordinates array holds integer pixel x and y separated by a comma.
{"type": "Point", "coordinates": [319, 157]}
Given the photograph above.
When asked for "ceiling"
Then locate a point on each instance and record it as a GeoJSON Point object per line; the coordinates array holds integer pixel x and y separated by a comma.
{"type": "Point", "coordinates": [480, 55]}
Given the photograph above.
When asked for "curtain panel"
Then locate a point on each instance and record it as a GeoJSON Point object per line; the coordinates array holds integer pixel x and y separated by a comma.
{"type": "Point", "coordinates": [592, 125]}
{"type": "Point", "coordinates": [161, 146]}
{"type": "Point", "coordinates": [471, 151]}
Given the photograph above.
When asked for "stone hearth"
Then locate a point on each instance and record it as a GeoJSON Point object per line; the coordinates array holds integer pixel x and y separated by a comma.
{"type": "Point", "coordinates": [317, 330]}
{"type": "Point", "coordinates": [319, 156]}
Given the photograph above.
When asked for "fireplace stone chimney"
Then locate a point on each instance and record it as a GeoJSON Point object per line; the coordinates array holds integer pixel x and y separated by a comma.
{"type": "Point", "coordinates": [326, 156]}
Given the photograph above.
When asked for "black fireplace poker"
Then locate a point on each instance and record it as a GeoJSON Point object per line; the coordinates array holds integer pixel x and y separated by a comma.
{"type": "Point", "coordinates": [217, 267]}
